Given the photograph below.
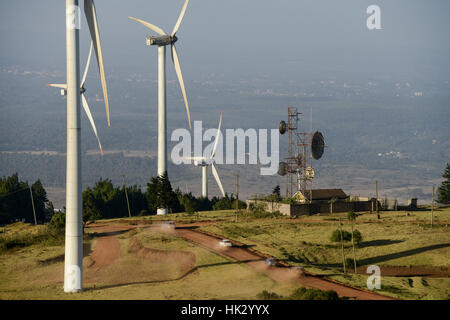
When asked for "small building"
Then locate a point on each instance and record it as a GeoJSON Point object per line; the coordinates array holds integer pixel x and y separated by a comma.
{"type": "Point", "coordinates": [321, 195]}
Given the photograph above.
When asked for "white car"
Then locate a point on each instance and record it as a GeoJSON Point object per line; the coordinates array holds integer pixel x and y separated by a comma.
{"type": "Point", "coordinates": [225, 243]}
{"type": "Point", "coordinates": [271, 262]}
{"type": "Point", "coordinates": [169, 224]}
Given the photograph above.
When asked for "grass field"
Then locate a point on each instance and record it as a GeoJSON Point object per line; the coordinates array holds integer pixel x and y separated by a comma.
{"type": "Point", "coordinates": [152, 264]}
{"type": "Point", "coordinates": [36, 271]}
{"type": "Point", "coordinates": [401, 239]}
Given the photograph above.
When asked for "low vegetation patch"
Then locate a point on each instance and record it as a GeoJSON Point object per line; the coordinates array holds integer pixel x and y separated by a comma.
{"type": "Point", "coordinates": [45, 236]}
{"type": "Point", "coordinates": [300, 294]}
{"type": "Point", "coordinates": [346, 236]}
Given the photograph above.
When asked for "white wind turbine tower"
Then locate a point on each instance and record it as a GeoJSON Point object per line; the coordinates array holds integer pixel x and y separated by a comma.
{"type": "Point", "coordinates": [204, 162]}
{"type": "Point", "coordinates": [73, 261]}
{"type": "Point", "coordinates": [162, 41]}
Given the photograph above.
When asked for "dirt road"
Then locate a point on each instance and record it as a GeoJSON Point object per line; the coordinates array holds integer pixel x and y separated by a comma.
{"type": "Point", "coordinates": [277, 273]}
{"type": "Point", "coordinates": [106, 252]}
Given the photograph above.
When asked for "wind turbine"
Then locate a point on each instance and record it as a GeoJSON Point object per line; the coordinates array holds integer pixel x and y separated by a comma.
{"type": "Point", "coordinates": [204, 162]}
{"type": "Point", "coordinates": [73, 261]}
{"type": "Point", "coordinates": [63, 88]}
{"type": "Point", "coordinates": [162, 41]}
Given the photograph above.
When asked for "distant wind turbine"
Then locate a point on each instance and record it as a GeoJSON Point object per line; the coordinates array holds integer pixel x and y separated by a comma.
{"type": "Point", "coordinates": [162, 41]}
{"type": "Point", "coordinates": [205, 162]}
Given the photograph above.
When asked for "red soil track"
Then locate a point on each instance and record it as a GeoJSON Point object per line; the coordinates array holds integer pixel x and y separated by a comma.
{"type": "Point", "coordinates": [106, 251]}
{"type": "Point", "coordinates": [107, 248]}
{"type": "Point", "coordinates": [277, 273]}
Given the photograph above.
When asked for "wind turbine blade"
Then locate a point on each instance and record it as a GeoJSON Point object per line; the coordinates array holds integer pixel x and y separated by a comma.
{"type": "Point", "coordinates": [61, 86]}
{"type": "Point", "coordinates": [176, 63]}
{"type": "Point", "coordinates": [87, 66]}
{"type": "Point", "coordinates": [217, 137]}
{"type": "Point", "coordinates": [216, 176]}
{"type": "Point", "coordinates": [150, 26]}
{"type": "Point", "coordinates": [91, 17]}
{"type": "Point", "coordinates": [91, 119]}
{"type": "Point", "coordinates": [180, 18]}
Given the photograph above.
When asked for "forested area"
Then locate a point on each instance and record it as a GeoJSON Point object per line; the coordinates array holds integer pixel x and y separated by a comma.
{"type": "Point", "coordinates": [103, 201]}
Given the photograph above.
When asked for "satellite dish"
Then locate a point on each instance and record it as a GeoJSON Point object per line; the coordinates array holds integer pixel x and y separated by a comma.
{"type": "Point", "coordinates": [317, 145]}
{"type": "Point", "coordinates": [282, 127]}
{"type": "Point", "coordinates": [282, 168]}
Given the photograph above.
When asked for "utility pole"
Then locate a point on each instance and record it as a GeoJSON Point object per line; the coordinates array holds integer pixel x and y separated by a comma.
{"type": "Point", "coordinates": [126, 195]}
{"type": "Point", "coordinates": [354, 254]}
{"type": "Point", "coordinates": [432, 207]}
{"type": "Point", "coordinates": [32, 203]}
{"type": "Point", "coordinates": [237, 196]}
{"type": "Point", "coordinates": [342, 244]}
{"type": "Point", "coordinates": [376, 200]}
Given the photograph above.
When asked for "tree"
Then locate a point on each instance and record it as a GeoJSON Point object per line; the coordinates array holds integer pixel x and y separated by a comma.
{"type": "Point", "coordinates": [190, 207]}
{"type": "Point", "coordinates": [277, 191]}
{"type": "Point", "coordinates": [41, 203]}
{"type": "Point", "coordinates": [152, 194]}
{"type": "Point", "coordinates": [91, 210]}
{"type": "Point", "coordinates": [161, 195]}
{"type": "Point", "coordinates": [443, 192]}
{"type": "Point", "coordinates": [15, 201]}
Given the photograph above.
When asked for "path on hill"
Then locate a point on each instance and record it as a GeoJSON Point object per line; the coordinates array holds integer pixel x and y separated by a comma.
{"type": "Point", "coordinates": [107, 249]}
{"type": "Point", "coordinates": [276, 273]}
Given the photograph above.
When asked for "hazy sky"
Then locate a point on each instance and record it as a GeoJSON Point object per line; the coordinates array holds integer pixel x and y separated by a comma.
{"type": "Point", "coordinates": [304, 38]}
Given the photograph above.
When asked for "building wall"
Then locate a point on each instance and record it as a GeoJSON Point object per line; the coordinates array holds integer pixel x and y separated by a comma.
{"type": "Point", "coordinates": [284, 208]}
{"type": "Point", "coordinates": [315, 208]}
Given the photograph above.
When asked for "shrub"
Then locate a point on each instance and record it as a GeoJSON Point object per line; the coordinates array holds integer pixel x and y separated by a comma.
{"type": "Point", "coordinates": [45, 236]}
{"type": "Point", "coordinates": [350, 263]}
{"type": "Point", "coordinates": [346, 236]}
{"type": "Point", "coordinates": [58, 221]}
{"type": "Point", "coordinates": [313, 294]}
{"type": "Point", "coordinates": [336, 236]}
{"type": "Point", "coordinates": [300, 294]}
{"type": "Point", "coordinates": [357, 236]}
{"type": "Point", "coordinates": [352, 216]}
{"type": "Point", "coordinates": [266, 295]}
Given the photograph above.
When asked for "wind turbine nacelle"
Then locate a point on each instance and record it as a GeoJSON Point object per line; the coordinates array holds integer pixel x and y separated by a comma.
{"type": "Point", "coordinates": [160, 40]}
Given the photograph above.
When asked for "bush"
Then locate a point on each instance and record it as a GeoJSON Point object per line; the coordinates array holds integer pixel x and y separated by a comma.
{"type": "Point", "coordinates": [58, 221]}
{"type": "Point", "coordinates": [357, 236]}
{"type": "Point", "coordinates": [266, 295]}
{"type": "Point", "coordinates": [352, 216]}
{"type": "Point", "coordinates": [350, 263]}
{"type": "Point", "coordinates": [313, 294]}
{"type": "Point", "coordinates": [300, 294]}
{"type": "Point", "coordinates": [346, 236]}
{"type": "Point", "coordinates": [44, 236]}
{"type": "Point", "coordinates": [336, 236]}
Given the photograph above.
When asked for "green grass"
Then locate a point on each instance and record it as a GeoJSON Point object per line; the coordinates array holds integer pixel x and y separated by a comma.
{"type": "Point", "coordinates": [397, 239]}
{"type": "Point", "coordinates": [131, 276]}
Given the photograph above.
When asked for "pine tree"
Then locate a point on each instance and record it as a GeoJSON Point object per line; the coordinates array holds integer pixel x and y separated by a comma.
{"type": "Point", "coordinates": [443, 191]}
{"type": "Point", "coordinates": [277, 190]}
